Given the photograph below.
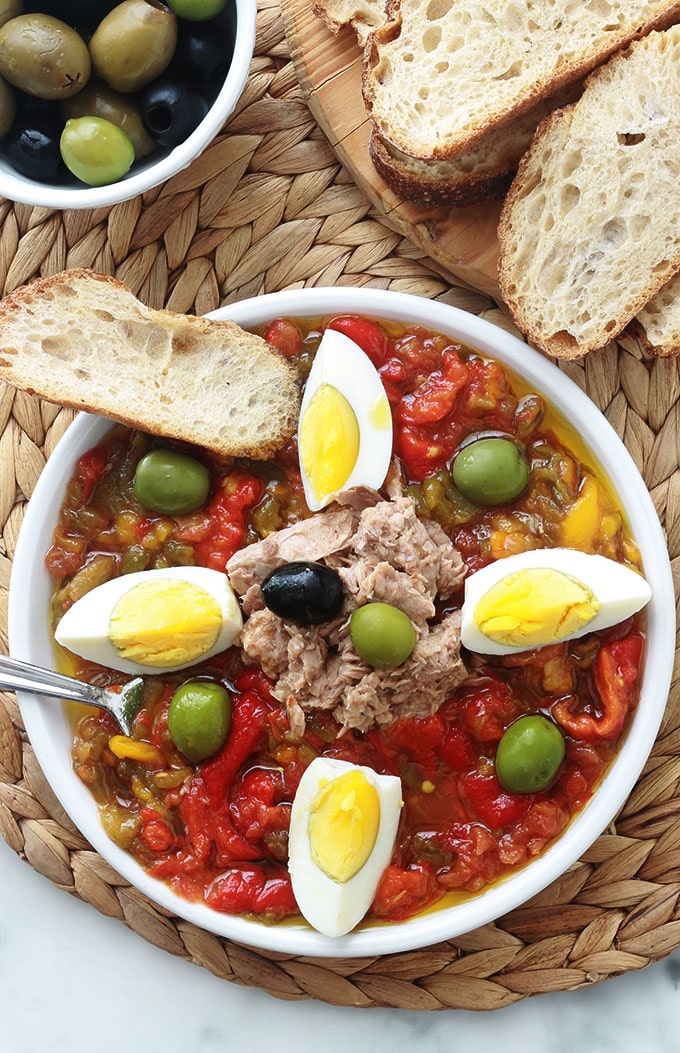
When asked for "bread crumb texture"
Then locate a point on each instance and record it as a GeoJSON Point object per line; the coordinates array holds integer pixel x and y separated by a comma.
{"type": "Point", "coordinates": [442, 72]}
{"type": "Point", "coordinates": [590, 229]}
{"type": "Point", "coordinates": [84, 340]}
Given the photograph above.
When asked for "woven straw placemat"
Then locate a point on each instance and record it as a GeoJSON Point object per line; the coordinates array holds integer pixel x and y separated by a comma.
{"type": "Point", "coordinates": [269, 207]}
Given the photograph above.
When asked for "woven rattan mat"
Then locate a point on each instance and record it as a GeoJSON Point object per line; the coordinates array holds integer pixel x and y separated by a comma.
{"type": "Point", "coordinates": [268, 207]}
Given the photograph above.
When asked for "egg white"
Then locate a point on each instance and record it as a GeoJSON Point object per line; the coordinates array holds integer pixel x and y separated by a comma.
{"type": "Point", "coordinates": [341, 363]}
{"type": "Point", "coordinates": [83, 628]}
{"type": "Point", "coordinates": [620, 590]}
{"type": "Point", "coordinates": [331, 907]}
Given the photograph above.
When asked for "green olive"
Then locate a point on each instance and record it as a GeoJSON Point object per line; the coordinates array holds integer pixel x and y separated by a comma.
{"type": "Point", "coordinates": [196, 10]}
{"type": "Point", "coordinates": [382, 635]}
{"type": "Point", "coordinates": [98, 100]}
{"type": "Point", "coordinates": [490, 471]}
{"type": "Point", "coordinates": [529, 754]}
{"type": "Point", "coordinates": [199, 719]}
{"type": "Point", "coordinates": [171, 482]}
{"type": "Point", "coordinates": [8, 107]}
{"type": "Point", "coordinates": [43, 56]}
{"type": "Point", "coordinates": [133, 44]}
{"type": "Point", "coordinates": [10, 9]}
{"type": "Point", "coordinates": [96, 151]}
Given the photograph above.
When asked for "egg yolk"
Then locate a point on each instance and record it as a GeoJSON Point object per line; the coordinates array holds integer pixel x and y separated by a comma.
{"type": "Point", "coordinates": [343, 825]}
{"type": "Point", "coordinates": [329, 441]}
{"type": "Point", "coordinates": [165, 623]}
{"type": "Point", "coordinates": [535, 607]}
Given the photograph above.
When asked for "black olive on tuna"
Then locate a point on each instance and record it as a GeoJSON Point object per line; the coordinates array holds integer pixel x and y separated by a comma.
{"type": "Point", "coordinates": [303, 593]}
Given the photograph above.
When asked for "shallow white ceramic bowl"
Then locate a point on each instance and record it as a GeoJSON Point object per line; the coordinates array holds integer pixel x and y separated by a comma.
{"type": "Point", "coordinates": [49, 733]}
{"type": "Point", "coordinates": [164, 164]}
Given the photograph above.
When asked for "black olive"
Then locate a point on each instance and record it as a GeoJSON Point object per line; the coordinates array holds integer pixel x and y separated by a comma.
{"type": "Point", "coordinates": [303, 593]}
{"type": "Point", "coordinates": [204, 49]}
{"type": "Point", "coordinates": [171, 110]}
{"type": "Point", "coordinates": [32, 143]}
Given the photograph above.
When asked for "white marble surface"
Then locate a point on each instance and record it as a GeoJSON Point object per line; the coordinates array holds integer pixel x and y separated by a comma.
{"type": "Point", "coordinates": [73, 981]}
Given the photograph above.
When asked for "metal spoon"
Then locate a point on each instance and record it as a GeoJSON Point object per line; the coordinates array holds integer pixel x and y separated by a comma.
{"type": "Point", "coordinates": [123, 705]}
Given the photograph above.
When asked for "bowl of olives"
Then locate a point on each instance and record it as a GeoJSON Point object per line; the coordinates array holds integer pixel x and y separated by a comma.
{"type": "Point", "coordinates": [102, 101]}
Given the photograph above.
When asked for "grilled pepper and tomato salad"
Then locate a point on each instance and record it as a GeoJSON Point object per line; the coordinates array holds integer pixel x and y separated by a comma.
{"type": "Point", "coordinates": [345, 643]}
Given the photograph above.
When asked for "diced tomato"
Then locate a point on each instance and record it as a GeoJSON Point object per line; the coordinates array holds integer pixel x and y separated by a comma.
{"type": "Point", "coordinates": [436, 397]}
{"type": "Point", "coordinates": [285, 336]}
{"type": "Point", "coordinates": [420, 737]}
{"type": "Point", "coordinates": [493, 805]}
{"type": "Point", "coordinates": [90, 468]}
{"type": "Point", "coordinates": [220, 529]}
{"type": "Point", "coordinates": [487, 709]}
{"type": "Point", "coordinates": [155, 832]}
{"type": "Point", "coordinates": [255, 807]}
{"type": "Point", "coordinates": [403, 891]}
{"type": "Point", "coordinates": [457, 750]}
{"type": "Point", "coordinates": [371, 338]}
{"type": "Point", "coordinates": [249, 890]}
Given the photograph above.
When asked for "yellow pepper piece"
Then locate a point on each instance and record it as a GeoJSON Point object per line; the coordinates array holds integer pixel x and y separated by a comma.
{"type": "Point", "coordinates": [580, 526]}
{"type": "Point", "coordinates": [125, 748]}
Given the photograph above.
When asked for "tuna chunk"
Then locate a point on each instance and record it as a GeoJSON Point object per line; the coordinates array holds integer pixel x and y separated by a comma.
{"type": "Point", "coordinates": [382, 551]}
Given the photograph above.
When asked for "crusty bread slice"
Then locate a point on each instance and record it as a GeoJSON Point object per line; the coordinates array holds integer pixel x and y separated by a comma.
{"type": "Point", "coordinates": [442, 73]}
{"type": "Point", "coordinates": [84, 340]}
{"type": "Point", "coordinates": [364, 16]}
{"type": "Point", "coordinates": [657, 325]}
{"type": "Point", "coordinates": [485, 172]}
{"type": "Point", "coordinates": [590, 229]}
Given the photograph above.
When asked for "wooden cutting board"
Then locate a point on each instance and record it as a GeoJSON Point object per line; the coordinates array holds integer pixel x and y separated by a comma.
{"type": "Point", "coordinates": [461, 240]}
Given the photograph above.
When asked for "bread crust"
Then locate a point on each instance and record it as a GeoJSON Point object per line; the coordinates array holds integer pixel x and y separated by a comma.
{"type": "Point", "coordinates": [83, 340]}
{"type": "Point", "coordinates": [424, 185]}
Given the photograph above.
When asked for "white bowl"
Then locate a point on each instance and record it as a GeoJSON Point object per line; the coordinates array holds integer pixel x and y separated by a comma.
{"type": "Point", "coordinates": [51, 738]}
{"type": "Point", "coordinates": [163, 164]}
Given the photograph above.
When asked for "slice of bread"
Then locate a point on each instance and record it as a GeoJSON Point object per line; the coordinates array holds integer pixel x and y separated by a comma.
{"type": "Point", "coordinates": [485, 172]}
{"type": "Point", "coordinates": [590, 229]}
{"type": "Point", "coordinates": [657, 325]}
{"type": "Point", "coordinates": [442, 73]}
{"type": "Point", "coordinates": [84, 340]}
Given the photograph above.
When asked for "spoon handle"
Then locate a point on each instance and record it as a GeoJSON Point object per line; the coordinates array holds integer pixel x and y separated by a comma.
{"type": "Point", "coordinates": [20, 675]}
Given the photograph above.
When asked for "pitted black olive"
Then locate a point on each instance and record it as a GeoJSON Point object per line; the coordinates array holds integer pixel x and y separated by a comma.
{"type": "Point", "coordinates": [171, 110]}
{"type": "Point", "coordinates": [303, 593]}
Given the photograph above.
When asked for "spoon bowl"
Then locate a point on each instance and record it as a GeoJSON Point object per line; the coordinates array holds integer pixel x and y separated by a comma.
{"type": "Point", "coordinates": [122, 704]}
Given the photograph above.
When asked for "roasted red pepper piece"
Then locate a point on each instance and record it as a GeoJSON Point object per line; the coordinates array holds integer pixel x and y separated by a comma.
{"type": "Point", "coordinates": [615, 676]}
{"type": "Point", "coordinates": [249, 724]}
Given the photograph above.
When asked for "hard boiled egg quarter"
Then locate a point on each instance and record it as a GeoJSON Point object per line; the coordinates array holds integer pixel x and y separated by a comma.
{"type": "Point", "coordinates": [345, 427]}
{"type": "Point", "coordinates": [153, 621]}
{"type": "Point", "coordinates": [537, 598]}
{"type": "Point", "coordinates": [343, 827]}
